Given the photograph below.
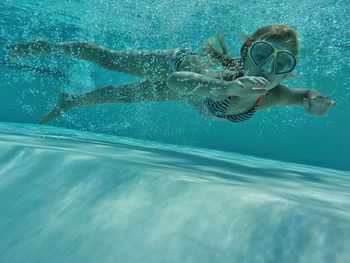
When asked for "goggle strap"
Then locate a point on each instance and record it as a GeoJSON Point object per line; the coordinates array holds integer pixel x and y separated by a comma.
{"type": "Point", "coordinates": [245, 47]}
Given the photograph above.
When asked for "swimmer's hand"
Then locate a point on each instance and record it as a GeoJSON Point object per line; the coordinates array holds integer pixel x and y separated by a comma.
{"type": "Point", "coordinates": [246, 86]}
{"type": "Point", "coordinates": [64, 104]}
{"type": "Point", "coordinates": [317, 104]}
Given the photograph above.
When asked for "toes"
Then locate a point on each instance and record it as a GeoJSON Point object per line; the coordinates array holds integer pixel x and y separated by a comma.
{"type": "Point", "coordinates": [325, 99]}
{"type": "Point", "coordinates": [10, 51]}
{"type": "Point", "coordinates": [13, 52]}
{"type": "Point", "coordinates": [306, 103]}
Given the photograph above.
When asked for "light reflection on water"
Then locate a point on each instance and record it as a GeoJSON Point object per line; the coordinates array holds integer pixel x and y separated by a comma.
{"type": "Point", "coordinates": [68, 196]}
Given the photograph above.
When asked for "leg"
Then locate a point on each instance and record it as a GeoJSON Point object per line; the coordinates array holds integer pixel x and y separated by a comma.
{"type": "Point", "coordinates": [145, 91]}
{"type": "Point", "coordinates": [149, 64]}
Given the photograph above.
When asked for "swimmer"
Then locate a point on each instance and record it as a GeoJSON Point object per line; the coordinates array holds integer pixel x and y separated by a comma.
{"type": "Point", "coordinates": [218, 86]}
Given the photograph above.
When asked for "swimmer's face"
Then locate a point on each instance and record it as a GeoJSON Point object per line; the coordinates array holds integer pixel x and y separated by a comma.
{"type": "Point", "coordinates": [267, 68]}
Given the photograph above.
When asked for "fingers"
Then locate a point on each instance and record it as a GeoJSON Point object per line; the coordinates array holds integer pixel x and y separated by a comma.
{"type": "Point", "coordinates": [240, 84]}
{"type": "Point", "coordinates": [253, 89]}
{"type": "Point", "coordinates": [331, 103]}
{"type": "Point", "coordinates": [306, 104]}
{"type": "Point", "coordinates": [250, 82]}
{"type": "Point", "coordinates": [251, 85]}
{"type": "Point", "coordinates": [321, 99]}
{"type": "Point", "coordinates": [262, 81]}
{"type": "Point", "coordinates": [259, 90]}
{"type": "Point", "coordinates": [257, 85]}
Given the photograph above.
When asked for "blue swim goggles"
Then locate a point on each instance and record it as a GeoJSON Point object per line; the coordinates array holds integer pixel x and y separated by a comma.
{"type": "Point", "coordinates": [262, 51]}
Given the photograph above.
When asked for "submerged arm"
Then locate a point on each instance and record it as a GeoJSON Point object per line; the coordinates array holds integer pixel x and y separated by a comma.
{"type": "Point", "coordinates": [313, 102]}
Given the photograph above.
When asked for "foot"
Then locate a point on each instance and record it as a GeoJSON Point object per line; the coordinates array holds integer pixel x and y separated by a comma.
{"type": "Point", "coordinates": [24, 49]}
{"type": "Point", "coordinates": [65, 103]}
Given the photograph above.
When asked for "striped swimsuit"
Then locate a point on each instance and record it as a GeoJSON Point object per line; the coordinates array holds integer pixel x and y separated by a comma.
{"type": "Point", "coordinates": [219, 108]}
{"type": "Point", "coordinates": [180, 56]}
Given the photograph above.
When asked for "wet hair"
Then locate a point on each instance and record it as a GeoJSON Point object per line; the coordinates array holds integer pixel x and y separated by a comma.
{"type": "Point", "coordinates": [281, 33]}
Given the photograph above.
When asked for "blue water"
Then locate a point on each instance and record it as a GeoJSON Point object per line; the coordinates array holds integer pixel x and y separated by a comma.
{"type": "Point", "coordinates": [157, 182]}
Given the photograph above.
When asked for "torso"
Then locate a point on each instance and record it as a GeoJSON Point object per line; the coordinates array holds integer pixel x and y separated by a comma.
{"type": "Point", "coordinates": [238, 105]}
{"type": "Point", "coordinates": [202, 64]}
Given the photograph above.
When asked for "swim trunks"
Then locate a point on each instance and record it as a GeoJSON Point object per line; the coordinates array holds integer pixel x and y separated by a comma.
{"type": "Point", "coordinates": [180, 56]}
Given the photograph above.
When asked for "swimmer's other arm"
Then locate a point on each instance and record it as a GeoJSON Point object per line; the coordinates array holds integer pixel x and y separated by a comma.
{"type": "Point", "coordinates": [191, 83]}
{"type": "Point", "coordinates": [313, 102]}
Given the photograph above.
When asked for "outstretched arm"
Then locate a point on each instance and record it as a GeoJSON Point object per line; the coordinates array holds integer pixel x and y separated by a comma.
{"type": "Point", "coordinates": [313, 102]}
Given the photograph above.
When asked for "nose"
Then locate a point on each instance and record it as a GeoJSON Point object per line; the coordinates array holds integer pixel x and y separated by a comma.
{"type": "Point", "coordinates": [267, 66]}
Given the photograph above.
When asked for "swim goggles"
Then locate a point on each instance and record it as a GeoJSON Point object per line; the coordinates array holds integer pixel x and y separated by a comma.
{"type": "Point", "coordinates": [284, 61]}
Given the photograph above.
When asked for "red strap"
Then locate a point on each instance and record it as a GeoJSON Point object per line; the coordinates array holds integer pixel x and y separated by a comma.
{"type": "Point", "coordinates": [259, 100]}
{"type": "Point", "coordinates": [249, 42]}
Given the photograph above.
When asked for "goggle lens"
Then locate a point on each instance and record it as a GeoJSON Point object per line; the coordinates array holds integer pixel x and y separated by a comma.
{"type": "Point", "coordinates": [260, 52]}
{"type": "Point", "coordinates": [285, 61]}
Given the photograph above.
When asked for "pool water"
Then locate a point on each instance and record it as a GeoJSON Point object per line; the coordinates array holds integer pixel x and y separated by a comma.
{"type": "Point", "coordinates": [158, 182]}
